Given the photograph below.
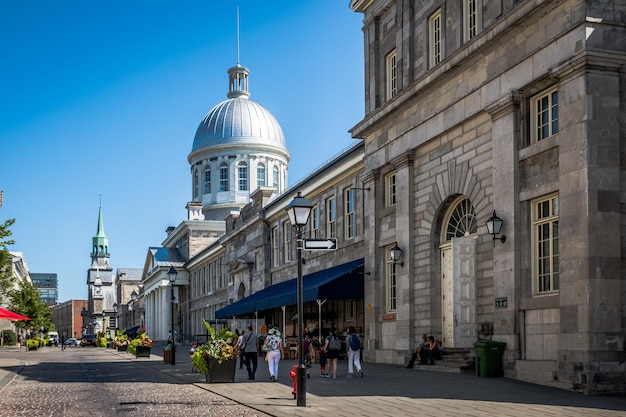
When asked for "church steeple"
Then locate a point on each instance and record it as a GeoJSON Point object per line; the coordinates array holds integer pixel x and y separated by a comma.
{"type": "Point", "coordinates": [100, 245]}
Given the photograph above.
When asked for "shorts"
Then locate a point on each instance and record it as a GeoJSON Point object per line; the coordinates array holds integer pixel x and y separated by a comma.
{"type": "Point", "coordinates": [332, 354]}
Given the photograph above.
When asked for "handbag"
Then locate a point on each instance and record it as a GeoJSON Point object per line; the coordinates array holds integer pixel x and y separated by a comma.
{"type": "Point", "coordinates": [266, 347]}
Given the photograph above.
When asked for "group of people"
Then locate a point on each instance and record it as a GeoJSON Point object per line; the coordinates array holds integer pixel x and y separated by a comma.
{"type": "Point", "coordinates": [248, 346]}
{"type": "Point", "coordinates": [427, 351]}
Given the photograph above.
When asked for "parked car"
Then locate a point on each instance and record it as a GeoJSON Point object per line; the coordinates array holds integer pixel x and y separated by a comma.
{"type": "Point", "coordinates": [71, 342]}
{"type": "Point", "coordinates": [88, 340]}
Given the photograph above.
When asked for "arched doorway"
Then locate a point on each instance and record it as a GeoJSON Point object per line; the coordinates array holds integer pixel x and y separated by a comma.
{"type": "Point", "coordinates": [458, 274]}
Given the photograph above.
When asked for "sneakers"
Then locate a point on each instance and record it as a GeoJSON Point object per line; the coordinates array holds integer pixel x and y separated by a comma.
{"type": "Point", "coordinates": [272, 378]}
{"type": "Point", "coordinates": [361, 372]}
{"type": "Point", "coordinates": [334, 377]}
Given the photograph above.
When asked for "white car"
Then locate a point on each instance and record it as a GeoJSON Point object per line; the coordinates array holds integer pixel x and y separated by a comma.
{"type": "Point", "coordinates": [71, 342]}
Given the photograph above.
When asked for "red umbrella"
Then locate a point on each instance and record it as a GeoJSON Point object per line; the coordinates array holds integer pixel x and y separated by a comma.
{"type": "Point", "coordinates": [9, 315]}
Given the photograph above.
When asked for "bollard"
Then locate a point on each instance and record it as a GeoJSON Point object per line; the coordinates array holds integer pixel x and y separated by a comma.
{"type": "Point", "coordinates": [293, 374]}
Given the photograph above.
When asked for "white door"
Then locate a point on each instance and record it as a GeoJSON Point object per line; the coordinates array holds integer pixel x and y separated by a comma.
{"type": "Point", "coordinates": [458, 292]}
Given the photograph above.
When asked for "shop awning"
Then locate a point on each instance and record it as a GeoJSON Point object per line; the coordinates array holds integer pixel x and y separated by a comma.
{"type": "Point", "coordinates": [342, 282]}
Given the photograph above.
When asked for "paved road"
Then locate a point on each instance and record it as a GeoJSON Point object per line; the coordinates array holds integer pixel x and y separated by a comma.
{"type": "Point", "coordinates": [384, 391]}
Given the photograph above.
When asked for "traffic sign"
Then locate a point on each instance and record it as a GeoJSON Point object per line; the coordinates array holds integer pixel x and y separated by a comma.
{"type": "Point", "coordinates": [320, 244]}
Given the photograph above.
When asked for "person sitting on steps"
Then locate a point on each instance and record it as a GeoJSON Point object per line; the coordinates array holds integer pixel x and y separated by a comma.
{"type": "Point", "coordinates": [420, 352]}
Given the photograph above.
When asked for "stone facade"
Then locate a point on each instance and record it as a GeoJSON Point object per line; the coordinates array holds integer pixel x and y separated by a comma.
{"type": "Point", "coordinates": [457, 94]}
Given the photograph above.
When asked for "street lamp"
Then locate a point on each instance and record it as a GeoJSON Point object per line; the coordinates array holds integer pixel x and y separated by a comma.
{"type": "Point", "coordinates": [133, 296]}
{"type": "Point", "coordinates": [172, 274]}
{"type": "Point", "coordinates": [115, 313]}
{"type": "Point", "coordinates": [299, 211]}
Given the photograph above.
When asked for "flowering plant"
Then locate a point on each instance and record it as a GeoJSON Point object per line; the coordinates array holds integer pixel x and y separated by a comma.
{"type": "Point", "coordinates": [219, 346]}
{"type": "Point", "coordinates": [140, 341]}
{"type": "Point", "coordinates": [121, 338]}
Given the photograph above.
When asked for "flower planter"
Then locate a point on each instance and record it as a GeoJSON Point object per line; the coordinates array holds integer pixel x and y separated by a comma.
{"type": "Point", "coordinates": [143, 352]}
{"type": "Point", "coordinates": [221, 372]}
{"type": "Point", "coordinates": [122, 348]}
{"type": "Point", "coordinates": [32, 348]}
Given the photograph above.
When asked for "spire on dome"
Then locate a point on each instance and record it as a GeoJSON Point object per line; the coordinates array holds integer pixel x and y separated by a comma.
{"type": "Point", "coordinates": [100, 243]}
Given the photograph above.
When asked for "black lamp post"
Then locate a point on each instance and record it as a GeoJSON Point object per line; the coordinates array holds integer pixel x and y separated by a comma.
{"type": "Point", "coordinates": [299, 211]}
{"type": "Point", "coordinates": [133, 297]}
{"type": "Point", "coordinates": [115, 314]}
{"type": "Point", "coordinates": [172, 274]}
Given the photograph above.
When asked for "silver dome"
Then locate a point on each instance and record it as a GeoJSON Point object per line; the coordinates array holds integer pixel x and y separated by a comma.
{"type": "Point", "coordinates": [239, 121]}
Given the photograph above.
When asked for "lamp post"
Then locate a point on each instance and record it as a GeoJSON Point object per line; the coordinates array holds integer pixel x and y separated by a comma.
{"type": "Point", "coordinates": [133, 297]}
{"type": "Point", "coordinates": [172, 274]}
{"type": "Point", "coordinates": [299, 211]}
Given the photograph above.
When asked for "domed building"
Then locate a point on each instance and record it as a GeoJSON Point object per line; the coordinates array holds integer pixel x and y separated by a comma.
{"type": "Point", "coordinates": [239, 147]}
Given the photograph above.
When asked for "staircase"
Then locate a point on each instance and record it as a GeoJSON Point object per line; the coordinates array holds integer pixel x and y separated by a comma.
{"type": "Point", "coordinates": [453, 360]}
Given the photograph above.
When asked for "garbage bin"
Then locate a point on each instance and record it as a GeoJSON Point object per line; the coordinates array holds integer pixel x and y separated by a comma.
{"type": "Point", "coordinates": [489, 358]}
{"type": "Point", "coordinates": [167, 358]}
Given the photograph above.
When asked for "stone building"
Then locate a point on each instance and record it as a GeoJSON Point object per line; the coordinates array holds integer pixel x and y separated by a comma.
{"type": "Point", "coordinates": [512, 108]}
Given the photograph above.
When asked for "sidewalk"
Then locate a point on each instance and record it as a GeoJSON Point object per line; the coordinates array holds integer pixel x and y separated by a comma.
{"type": "Point", "coordinates": [388, 390]}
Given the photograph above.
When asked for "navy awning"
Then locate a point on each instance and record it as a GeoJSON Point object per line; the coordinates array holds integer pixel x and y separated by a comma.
{"type": "Point", "coordinates": [342, 282]}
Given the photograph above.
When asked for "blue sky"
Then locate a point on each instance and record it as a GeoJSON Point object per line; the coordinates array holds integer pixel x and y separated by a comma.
{"type": "Point", "coordinates": [104, 98]}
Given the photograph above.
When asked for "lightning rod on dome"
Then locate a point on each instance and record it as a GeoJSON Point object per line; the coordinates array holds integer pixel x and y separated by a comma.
{"type": "Point", "coordinates": [237, 35]}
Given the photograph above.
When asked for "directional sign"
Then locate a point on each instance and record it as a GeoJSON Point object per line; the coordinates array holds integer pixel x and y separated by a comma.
{"type": "Point", "coordinates": [320, 244]}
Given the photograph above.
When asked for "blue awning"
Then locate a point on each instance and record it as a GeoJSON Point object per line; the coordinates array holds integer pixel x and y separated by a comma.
{"type": "Point", "coordinates": [342, 282]}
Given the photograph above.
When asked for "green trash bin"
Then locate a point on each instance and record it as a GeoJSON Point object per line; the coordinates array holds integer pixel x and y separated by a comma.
{"type": "Point", "coordinates": [489, 358]}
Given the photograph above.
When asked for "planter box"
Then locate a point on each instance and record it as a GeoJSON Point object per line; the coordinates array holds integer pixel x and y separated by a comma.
{"type": "Point", "coordinates": [32, 348]}
{"type": "Point", "coordinates": [143, 352]}
{"type": "Point", "coordinates": [122, 348]}
{"type": "Point", "coordinates": [221, 372]}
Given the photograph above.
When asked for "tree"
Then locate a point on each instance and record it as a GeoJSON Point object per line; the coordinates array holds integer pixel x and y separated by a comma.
{"type": "Point", "coordinates": [26, 300]}
{"type": "Point", "coordinates": [6, 270]}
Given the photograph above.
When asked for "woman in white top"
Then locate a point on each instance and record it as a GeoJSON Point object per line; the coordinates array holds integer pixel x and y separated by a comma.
{"type": "Point", "coordinates": [275, 353]}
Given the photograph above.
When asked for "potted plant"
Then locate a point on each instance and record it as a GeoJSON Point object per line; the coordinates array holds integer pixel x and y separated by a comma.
{"type": "Point", "coordinates": [216, 358]}
{"type": "Point", "coordinates": [32, 344]}
{"type": "Point", "coordinates": [121, 340]}
{"type": "Point", "coordinates": [140, 346]}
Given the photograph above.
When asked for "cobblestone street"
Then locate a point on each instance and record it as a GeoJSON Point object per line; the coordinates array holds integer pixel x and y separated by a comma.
{"type": "Point", "coordinates": [90, 382]}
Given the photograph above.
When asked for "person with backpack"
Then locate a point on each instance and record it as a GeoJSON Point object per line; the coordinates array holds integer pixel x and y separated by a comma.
{"type": "Point", "coordinates": [332, 347]}
{"type": "Point", "coordinates": [354, 353]}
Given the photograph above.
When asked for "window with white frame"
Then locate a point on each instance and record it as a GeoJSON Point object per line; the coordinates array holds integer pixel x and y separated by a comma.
{"type": "Point", "coordinates": [330, 217]}
{"type": "Point", "coordinates": [195, 183]}
{"type": "Point", "coordinates": [275, 247]}
{"type": "Point", "coordinates": [223, 176]}
{"type": "Point", "coordinates": [222, 274]}
{"type": "Point", "coordinates": [544, 115]}
{"type": "Point", "coordinates": [287, 240]}
{"type": "Point", "coordinates": [315, 222]}
{"type": "Point", "coordinates": [390, 287]}
{"type": "Point", "coordinates": [260, 175]}
{"type": "Point", "coordinates": [350, 310]}
{"type": "Point", "coordinates": [545, 245]}
{"type": "Point", "coordinates": [470, 22]}
{"type": "Point", "coordinates": [207, 180]}
{"type": "Point", "coordinates": [348, 215]}
{"type": "Point", "coordinates": [275, 179]}
{"type": "Point", "coordinates": [390, 73]}
{"type": "Point", "coordinates": [242, 169]}
{"type": "Point", "coordinates": [435, 38]}
{"type": "Point", "coordinates": [390, 189]}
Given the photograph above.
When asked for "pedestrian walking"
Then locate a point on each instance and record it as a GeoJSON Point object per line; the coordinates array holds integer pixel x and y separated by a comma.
{"type": "Point", "coordinates": [63, 341]}
{"type": "Point", "coordinates": [332, 347]}
{"type": "Point", "coordinates": [306, 352]}
{"type": "Point", "coordinates": [240, 347]}
{"type": "Point", "coordinates": [353, 343]}
{"type": "Point", "coordinates": [251, 351]}
{"type": "Point", "coordinates": [275, 352]}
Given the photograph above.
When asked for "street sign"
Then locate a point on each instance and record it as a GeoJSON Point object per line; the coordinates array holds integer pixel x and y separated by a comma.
{"type": "Point", "coordinates": [320, 244]}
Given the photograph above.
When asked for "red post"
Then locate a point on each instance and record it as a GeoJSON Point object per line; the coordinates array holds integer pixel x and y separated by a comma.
{"type": "Point", "coordinates": [293, 374]}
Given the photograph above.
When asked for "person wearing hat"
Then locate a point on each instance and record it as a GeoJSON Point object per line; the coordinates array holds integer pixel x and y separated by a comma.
{"type": "Point", "coordinates": [275, 352]}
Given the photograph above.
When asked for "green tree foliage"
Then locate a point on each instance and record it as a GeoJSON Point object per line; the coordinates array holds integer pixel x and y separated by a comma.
{"type": "Point", "coordinates": [26, 300]}
{"type": "Point", "coordinates": [6, 271]}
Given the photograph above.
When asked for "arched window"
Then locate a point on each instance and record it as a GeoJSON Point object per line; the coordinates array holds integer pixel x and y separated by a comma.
{"type": "Point", "coordinates": [275, 178]}
{"type": "Point", "coordinates": [242, 169]}
{"type": "Point", "coordinates": [461, 220]}
{"type": "Point", "coordinates": [260, 175]}
{"type": "Point", "coordinates": [207, 180]}
{"type": "Point", "coordinates": [223, 176]}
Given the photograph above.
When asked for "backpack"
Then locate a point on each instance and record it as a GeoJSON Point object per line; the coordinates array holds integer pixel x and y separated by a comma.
{"type": "Point", "coordinates": [334, 343]}
{"type": "Point", "coordinates": [355, 343]}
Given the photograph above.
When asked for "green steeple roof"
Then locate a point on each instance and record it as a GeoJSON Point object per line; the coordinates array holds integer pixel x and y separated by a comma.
{"type": "Point", "coordinates": [100, 241]}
